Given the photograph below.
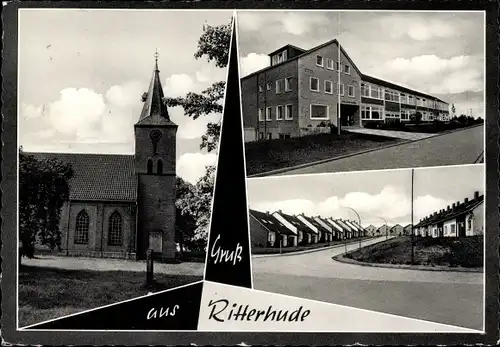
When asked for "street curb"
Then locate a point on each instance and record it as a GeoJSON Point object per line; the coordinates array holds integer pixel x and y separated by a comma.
{"type": "Point", "coordinates": [342, 259]}
{"type": "Point", "coordinates": [305, 251]}
{"type": "Point", "coordinates": [322, 161]}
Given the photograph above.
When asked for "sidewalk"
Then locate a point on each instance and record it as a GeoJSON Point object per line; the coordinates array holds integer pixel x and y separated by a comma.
{"type": "Point", "coordinates": [392, 133]}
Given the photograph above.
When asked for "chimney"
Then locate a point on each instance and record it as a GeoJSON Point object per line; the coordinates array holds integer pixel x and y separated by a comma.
{"type": "Point", "coordinates": [280, 211]}
{"type": "Point", "coordinates": [453, 205]}
{"type": "Point", "coordinates": [458, 203]}
{"type": "Point", "coordinates": [448, 208]}
{"type": "Point", "coordinates": [476, 194]}
{"type": "Point", "coordinates": [267, 212]}
{"type": "Point", "coordinates": [466, 200]}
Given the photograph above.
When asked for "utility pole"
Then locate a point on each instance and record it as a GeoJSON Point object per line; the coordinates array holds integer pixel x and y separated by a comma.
{"type": "Point", "coordinates": [412, 243]}
{"type": "Point", "coordinates": [359, 223]}
{"type": "Point", "coordinates": [338, 76]}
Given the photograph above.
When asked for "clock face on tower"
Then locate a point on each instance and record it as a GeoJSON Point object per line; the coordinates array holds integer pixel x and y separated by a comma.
{"type": "Point", "coordinates": [155, 136]}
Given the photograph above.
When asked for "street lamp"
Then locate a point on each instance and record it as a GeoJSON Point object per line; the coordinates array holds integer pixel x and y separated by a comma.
{"type": "Point", "coordinates": [386, 231]}
{"type": "Point", "coordinates": [359, 222]}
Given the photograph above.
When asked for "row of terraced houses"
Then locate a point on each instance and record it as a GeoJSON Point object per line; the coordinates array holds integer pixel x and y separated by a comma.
{"type": "Point", "coordinates": [278, 229]}
{"type": "Point", "coordinates": [461, 219]}
{"type": "Point", "coordinates": [298, 94]}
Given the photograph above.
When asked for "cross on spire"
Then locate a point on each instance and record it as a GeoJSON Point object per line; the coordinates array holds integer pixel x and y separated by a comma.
{"type": "Point", "coordinates": [156, 55]}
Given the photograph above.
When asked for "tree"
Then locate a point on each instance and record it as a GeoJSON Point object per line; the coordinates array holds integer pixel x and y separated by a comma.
{"type": "Point", "coordinates": [43, 189]}
{"type": "Point", "coordinates": [416, 117]}
{"type": "Point", "coordinates": [185, 222]}
{"type": "Point", "coordinates": [453, 109]}
{"type": "Point", "coordinates": [197, 202]}
{"type": "Point", "coordinates": [214, 45]}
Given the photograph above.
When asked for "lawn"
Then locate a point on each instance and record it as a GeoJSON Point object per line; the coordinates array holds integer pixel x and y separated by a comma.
{"type": "Point", "coordinates": [261, 250]}
{"type": "Point", "coordinates": [263, 156]}
{"type": "Point", "coordinates": [451, 252]}
{"type": "Point", "coordinates": [47, 293]}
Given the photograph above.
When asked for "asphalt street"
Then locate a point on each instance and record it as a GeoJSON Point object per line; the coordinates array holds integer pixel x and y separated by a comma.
{"type": "Point", "coordinates": [454, 298]}
{"type": "Point", "coordinates": [455, 148]}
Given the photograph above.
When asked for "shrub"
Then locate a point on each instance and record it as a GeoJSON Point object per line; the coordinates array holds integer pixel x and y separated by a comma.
{"type": "Point", "coordinates": [372, 125]}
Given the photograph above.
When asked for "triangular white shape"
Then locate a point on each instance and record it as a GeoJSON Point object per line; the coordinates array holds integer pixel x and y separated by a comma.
{"type": "Point", "coordinates": [220, 301]}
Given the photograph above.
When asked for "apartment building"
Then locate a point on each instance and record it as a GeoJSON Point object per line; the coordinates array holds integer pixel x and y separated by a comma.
{"type": "Point", "coordinates": [461, 219]}
{"type": "Point", "coordinates": [300, 93]}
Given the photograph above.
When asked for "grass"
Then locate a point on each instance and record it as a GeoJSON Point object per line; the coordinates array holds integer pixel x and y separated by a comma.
{"type": "Point", "coordinates": [445, 251]}
{"type": "Point", "coordinates": [48, 293]}
{"type": "Point", "coordinates": [263, 156]}
{"type": "Point", "coordinates": [273, 250]}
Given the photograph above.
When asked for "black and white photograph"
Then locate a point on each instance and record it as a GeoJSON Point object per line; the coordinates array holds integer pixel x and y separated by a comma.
{"type": "Point", "coordinates": [119, 121]}
{"type": "Point", "coordinates": [410, 85]}
{"type": "Point", "coordinates": [407, 242]}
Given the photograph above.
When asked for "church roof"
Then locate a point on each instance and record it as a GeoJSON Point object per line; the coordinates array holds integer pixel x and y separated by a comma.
{"type": "Point", "coordinates": [99, 177]}
{"type": "Point", "coordinates": [154, 111]}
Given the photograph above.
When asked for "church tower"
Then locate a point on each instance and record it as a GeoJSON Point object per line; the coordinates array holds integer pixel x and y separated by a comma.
{"type": "Point", "coordinates": [155, 141]}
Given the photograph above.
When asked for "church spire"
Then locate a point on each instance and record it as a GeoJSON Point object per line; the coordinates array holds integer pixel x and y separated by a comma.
{"type": "Point", "coordinates": [154, 111]}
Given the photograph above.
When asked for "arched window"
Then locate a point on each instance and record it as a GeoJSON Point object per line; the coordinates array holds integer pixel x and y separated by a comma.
{"type": "Point", "coordinates": [160, 167]}
{"type": "Point", "coordinates": [82, 228]}
{"type": "Point", "coordinates": [115, 229]}
{"type": "Point", "coordinates": [150, 166]}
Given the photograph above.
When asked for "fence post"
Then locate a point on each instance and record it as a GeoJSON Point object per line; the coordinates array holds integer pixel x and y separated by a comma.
{"type": "Point", "coordinates": [149, 267]}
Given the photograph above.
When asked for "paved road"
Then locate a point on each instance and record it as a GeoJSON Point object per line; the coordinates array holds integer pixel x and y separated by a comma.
{"type": "Point", "coordinates": [456, 148]}
{"type": "Point", "coordinates": [454, 298]}
{"type": "Point", "coordinates": [405, 135]}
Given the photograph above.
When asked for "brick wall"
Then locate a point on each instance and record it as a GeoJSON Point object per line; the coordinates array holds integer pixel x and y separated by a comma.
{"type": "Point", "coordinates": [253, 100]}
{"type": "Point", "coordinates": [308, 68]}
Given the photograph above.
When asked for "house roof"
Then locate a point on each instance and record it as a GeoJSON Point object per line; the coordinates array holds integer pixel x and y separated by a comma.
{"type": "Point", "coordinates": [154, 110]}
{"type": "Point", "coordinates": [270, 222]}
{"type": "Point", "coordinates": [358, 226]}
{"type": "Point", "coordinates": [285, 46]}
{"type": "Point", "coordinates": [343, 225]}
{"type": "Point", "coordinates": [407, 226]}
{"type": "Point", "coordinates": [374, 80]}
{"type": "Point", "coordinates": [464, 207]}
{"type": "Point", "coordinates": [371, 226]}
{"type": "Point", "coordinates": [337, 224]}
{"type": "Point", "coordinates": [101, 177]}
{"type": "Point", "coordinates": [306, 52]}
{"type": "Point", "coordinates": [316, 224]}
{"type": "Point", "coordinates": [396, 226]}
{"type": "Point", "coordinates": [296, 222]}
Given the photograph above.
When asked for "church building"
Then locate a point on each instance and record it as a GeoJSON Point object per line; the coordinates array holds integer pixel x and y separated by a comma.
{"type": "Point", "coordinates": [122, 205]}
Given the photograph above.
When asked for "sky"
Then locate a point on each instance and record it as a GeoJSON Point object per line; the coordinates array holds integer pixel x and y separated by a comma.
{"type": "Point", "coordinates": [82, 74]}
{"type": "Point", "coordinates": [439, 53]}
{"type": "Point", "coordinates": [377, 196]}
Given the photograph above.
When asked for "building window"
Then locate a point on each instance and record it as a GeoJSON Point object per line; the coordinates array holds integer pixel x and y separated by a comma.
{"type": "Point", "coordinates": [261, 89]}
{"type": "Point", "coordinates": [279, 112]}
{"type": "Point", "coordinates": [340, 89]}
{"type": "Point", "coordinates": [347, 69]}
{"type": "Point", "coordinates": [115, 229]}
{"type": "Point", "coordinates": [350, 91]}
{"type": "Point", "coordinates": [279, 86]}
{"type": "Point", "coordinates": [268, 86]}
{"type": "Point", "coordinates": [365, 90]}
{"type": "Point", "coordinates": [328, 87]}
{"type": "Point", "coordinates": [319, 112]}
{"type": "Point", "coordinates": [375, 93]}
{"type": "Point", "coordinates": [261, 135]}
{"type": "Point", "coordinates": [365, 112]}
{"type": "Point", "coordinates": [288, 84]}
{"type": "Point", "coordinates": [271, 237]}
{"type": "Point", "coordinates": [329, 64]}
{"type": "Point", "coordinates": [452, 229]}
{"type": "Point", "coordinates": [82, 228]}
{"type": "Point", "coordinates": [150, 166]}
{"type": "Point", "coordinates": [469, 224]}
{"type": "Point", "coordinates": [314, 84]}
{"type": "Point", "coordinates": [288, 112]}
{"type": "Point", "coordinates": [319, 60]}
{"type": "Point", "coordinates": [261, 114]}
{"type": "Point", "coordinates": [159, 167]}
{"type": "Point", "coordinates": [410, 99]}
{"type": "Point", "coordinates": [403, 98]}
{"type": "Point", "coordinates": [268, 113]}
{"type": "Point", "coordinates": [376, 113]}
{"type": "Point", "coordinates": [338, 67]}
{"type": "Point", "coordinates": [391, 96]}
{"type": "Point", "coordinates": [405, 115]}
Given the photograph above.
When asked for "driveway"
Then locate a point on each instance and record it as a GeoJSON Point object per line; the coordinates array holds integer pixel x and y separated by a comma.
{"type": "Point", "coordinates": [447, 297]}
{"type": "Point", "coordinates": [457, 148]}
{"type": "Point", "coordinates": [392, 133]}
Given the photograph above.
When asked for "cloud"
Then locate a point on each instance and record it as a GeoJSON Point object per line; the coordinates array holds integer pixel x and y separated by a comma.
{"type": "Point", "coordinates": [191, 128]}
{"type": "Point", "coordinates": [125, 95]}
{"type": "Point", "coordinates": [253, 62]}
{"type": "Point", "coordinates": [432, 74]}
{"type": "Point", "coordinates": [178, 85]}
{"type": "Point", "coordinates": [391, 203]}
{"type": "Point", "coordinates": [191, 166]}
{"type": "Point", "coordinates": [426, 30]}
{"type": "Point", "coordinates": [297, 23]}
{"type": "Point", "coordinates": [427, 204]}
